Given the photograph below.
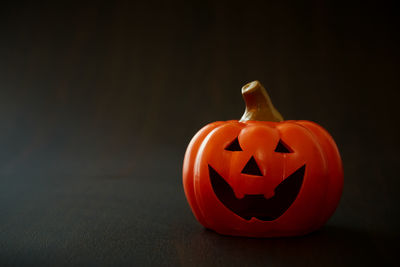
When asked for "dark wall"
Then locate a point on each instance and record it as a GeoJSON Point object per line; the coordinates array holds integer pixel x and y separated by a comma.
{"type": "Point", "coordinates": [115, 88]}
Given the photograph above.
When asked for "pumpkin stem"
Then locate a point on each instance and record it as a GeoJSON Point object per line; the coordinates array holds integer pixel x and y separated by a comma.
{"type": "Point", "coordinates": [258, 104]}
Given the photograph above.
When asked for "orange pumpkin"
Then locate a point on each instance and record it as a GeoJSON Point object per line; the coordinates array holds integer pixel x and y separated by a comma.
{"type": "Point", "coordinates": [262, 176]}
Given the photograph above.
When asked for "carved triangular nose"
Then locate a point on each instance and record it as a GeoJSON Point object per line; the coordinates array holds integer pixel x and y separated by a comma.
{"type": "Point", "coordinates": [252, 168]}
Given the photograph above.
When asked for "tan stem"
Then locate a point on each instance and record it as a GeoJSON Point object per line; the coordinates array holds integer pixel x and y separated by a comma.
{"type": "Point", "coordinates": [258, 104]}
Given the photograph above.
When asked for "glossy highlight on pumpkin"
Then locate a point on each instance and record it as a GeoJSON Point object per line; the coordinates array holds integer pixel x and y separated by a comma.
{"type": "Point", "coordinates": [262, 178]}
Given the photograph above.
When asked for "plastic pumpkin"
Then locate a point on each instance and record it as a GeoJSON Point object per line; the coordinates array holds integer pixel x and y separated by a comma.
{"type": "Point", "coordinates": [262, 176]}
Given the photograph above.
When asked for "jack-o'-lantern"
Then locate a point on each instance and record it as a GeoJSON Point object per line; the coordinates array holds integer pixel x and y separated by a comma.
{"type": "Point", "coordinates": [262, 176]}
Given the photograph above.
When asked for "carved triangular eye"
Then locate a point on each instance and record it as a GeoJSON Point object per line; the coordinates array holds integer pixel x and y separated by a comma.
{"type": "Point", "coordinates": [234, 146]}
{"type": "Point", "coordinates": [252, 168]}
{"type": "Point", "coordinates": [282, 148]}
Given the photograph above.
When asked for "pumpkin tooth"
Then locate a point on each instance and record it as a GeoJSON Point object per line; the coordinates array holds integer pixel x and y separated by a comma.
{"type": "Point", "coordinates": [269, 194]}
{"type": "Point", "coordinates": [238, 194]}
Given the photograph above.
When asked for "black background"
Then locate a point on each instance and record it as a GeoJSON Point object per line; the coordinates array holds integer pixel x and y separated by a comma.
{"type": "Point", "coordinates": [98, 102]}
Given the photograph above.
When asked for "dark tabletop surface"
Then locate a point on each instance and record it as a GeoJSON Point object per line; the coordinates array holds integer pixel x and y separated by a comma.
{"type": "Point", "coordinates": [98, 103]}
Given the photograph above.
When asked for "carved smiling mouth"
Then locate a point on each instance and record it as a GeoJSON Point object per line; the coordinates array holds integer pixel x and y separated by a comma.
{"type": "Point", "coordinates": [257, 205]}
